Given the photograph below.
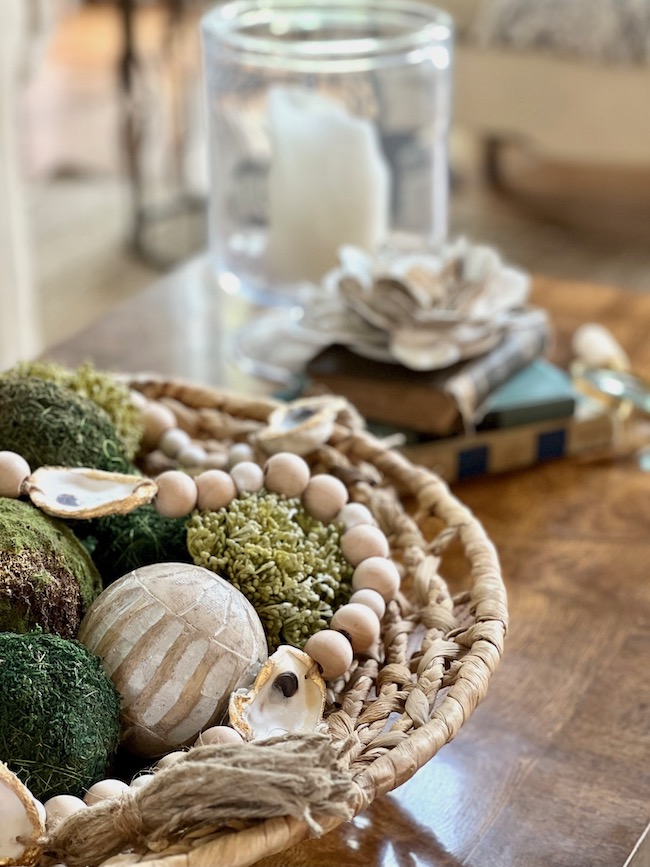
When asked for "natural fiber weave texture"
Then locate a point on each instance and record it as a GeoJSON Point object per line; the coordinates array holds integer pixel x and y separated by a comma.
{"type": "Point", "coordinates": [387, 716]}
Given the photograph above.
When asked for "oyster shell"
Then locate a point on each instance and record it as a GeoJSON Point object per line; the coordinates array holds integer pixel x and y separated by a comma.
{"type": "Point", "coordinates": [288, 696]}
{"type": "Point", "coordinates": [81, 492]}
{"type": "Point", "coordinates": [300, 426]}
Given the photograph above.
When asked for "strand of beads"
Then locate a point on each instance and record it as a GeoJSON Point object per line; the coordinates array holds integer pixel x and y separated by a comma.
{"type": "Point", "coordinates": [161, 432]}
{"type": "Point", "coordinates": [355, 626]}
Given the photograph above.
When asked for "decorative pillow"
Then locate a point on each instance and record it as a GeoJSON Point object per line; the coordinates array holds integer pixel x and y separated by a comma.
{"type": "Point", "coordinates": [610, 31]}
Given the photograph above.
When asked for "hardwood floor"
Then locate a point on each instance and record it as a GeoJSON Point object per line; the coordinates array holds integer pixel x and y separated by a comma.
{"type": "Point", "coordinates": [563, 221]}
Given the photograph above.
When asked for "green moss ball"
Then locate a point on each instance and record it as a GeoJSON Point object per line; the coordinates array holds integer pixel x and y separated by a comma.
{"type": "Point", "coordinates": [47, 578]}
{"type": "Point", "coordinates": [48, 424]}
{"type": "Point", "coordinates": [100, 387]}
{"type": "Point", "coordinates": [122, 543]}
{"type": "Point", "coordinates": [59, 714]}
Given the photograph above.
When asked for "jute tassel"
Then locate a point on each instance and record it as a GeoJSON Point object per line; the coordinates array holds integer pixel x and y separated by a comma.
{"type": "Point", "coordinates": [213, 788]}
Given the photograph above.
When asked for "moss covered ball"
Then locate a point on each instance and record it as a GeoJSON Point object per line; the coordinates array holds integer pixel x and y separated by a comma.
{"type": "Point", "coordinates": [287, 563]}
{"type": "Point", "coordinates": [102, 388]}
{"type": "Point", "coordinates": [49, 424]}
{"type": "Point", "coordinates": [59, 714]}
{"type": "Point", "coordinates": [123, 543]}
{"type": "Point", "coordinates": [47, 578]}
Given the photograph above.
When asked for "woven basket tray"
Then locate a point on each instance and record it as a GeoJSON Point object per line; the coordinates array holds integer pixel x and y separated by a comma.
{"type": "Point", "coordinates": [391, 712]}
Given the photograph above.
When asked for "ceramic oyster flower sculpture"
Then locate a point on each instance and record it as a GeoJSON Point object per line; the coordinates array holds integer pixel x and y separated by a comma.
{"type": "Point", "coordinates": [424, 309]}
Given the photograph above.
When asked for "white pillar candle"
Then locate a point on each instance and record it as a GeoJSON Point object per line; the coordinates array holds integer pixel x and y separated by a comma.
{"type": "Point", "coordinates": [329, 184]}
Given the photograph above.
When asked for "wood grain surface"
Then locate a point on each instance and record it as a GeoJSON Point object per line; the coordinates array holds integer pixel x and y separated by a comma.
{"type": "Point", "coordinates": [552, 768]}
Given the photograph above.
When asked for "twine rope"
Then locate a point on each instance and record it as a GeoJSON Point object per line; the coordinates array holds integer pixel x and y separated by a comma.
{"type": "Point", "coordinates": [212, 788]}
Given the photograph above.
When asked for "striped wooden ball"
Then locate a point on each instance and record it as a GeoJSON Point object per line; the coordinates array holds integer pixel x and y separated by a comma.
{"type": "Point", "coordinates": [176, 640]}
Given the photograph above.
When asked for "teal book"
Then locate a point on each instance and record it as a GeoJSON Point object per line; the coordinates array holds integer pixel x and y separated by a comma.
{"type": "Point", "coordinates": [538, 392]}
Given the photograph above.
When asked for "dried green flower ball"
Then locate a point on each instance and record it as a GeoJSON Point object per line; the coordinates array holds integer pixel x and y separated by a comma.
{"type": "Point", "coordinates": [59, 714]}
{"type": "Point", "coordinates": [48, 424]}
{"type": "Point", "coordinates": [288, 564]}
{"type": "Point", "coordinates": [46, 577]}
{"type": "Point", "coordinates": [100, 387]}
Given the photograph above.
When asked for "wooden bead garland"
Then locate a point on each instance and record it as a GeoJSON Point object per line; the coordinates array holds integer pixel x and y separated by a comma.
{"type": "Point", "coordinates": [324, 496]}
{"type": "Point", "coordinates": [326, 499]}
{"type": "Point", "coordinates": [355, 627]}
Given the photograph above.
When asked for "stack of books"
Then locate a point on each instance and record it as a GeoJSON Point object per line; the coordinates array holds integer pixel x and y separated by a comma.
{"type": "Point", "coordinates": [509, 409]}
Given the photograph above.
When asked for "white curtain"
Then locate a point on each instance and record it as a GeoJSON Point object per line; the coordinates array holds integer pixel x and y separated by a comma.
{"type": "Point", "coordinates": [19, 321]}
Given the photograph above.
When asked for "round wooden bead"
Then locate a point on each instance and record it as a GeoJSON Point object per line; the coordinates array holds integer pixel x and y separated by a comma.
{"type": "Point", "coordinates": [14, 469]}
{"type": "Point", "coordinates": [218, 735]}
{"type": "Point", "coordinates": [215, 461]}
{"type": "Point", "coordinates": [363, 541]}
{"type": "Point", "coordinates": [377, 573]}
{"type": "Point", "coordinates": [373, 600]}
{"type": "Point", "coordinates": [353, 514]}
{"type": "Point", "coordinates": [60, 807]}
{"type": "Point", "coordinates": [331, 650]}
{"type": "Point", "coordinates": [172, 441]}
{"type": "Point", "coordinates": [191, 456]}
{"type": "Point", "coordinates": [216, 489]}
{"type": "Point", "coordinates": [247, 476]}
{"type": "Point", "coordinates": [359, 623]}
{"type": "Point", "coordinates": [176, 494]}
{"type": "Point", "coordinates": [141, 780]}
{"type": "Point", "coordinates": [138, 399]}
{"type": "Point", "coordinates": [156, 419]}
{"type": "Point", "coordinates": [103, 790]}
{"type": "Point", "coordinates": [286, 474]}
{"type": "Point", "coordinates": [324, 497]}
{"type": "Point", "coordinates": [239, 452]}
{"type": "Point", "coordinates": [170, 759]}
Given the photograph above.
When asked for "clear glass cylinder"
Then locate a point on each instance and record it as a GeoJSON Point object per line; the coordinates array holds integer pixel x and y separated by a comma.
{"type": "Point", "coordinates": [328, 125]}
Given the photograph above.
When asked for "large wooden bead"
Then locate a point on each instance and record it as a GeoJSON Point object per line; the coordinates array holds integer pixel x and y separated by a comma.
{"type": "Point", "coordinates": [218, 735]}
{"type": "Point", "coordinates": [359, 623]}
{"type": "Point", "coordinates": [191, 455]}
{"type": "Point", "coordinates": [324, 497]}
{"type": "Point", "coordinates": [172, 441]}
{"type": "Point", "coordinates": [353, 514]}
{"type": "Point", "coordinates": [286, 474]}
{"type": "Point", "coordinates": [14, 469]}
{"type": "Point", "coordinates": [216, 489]}
{"type": "Point", "coordinates": [377, 573]}
{"type": "Point", "coordinates": [140, 781]}
{"type": "Point", "coordinates": [176, 494]}
{"type": "Point", "coordinates": [331, 650]}
{"type": "Point", "coordinates": [170, 759]}
{"type": "Point", "coordinates": [371, 599]}
{"type": "Point", "coordinates": [176, 640]}
{"type": "Point", "coordinates": [103, 790]}
{"type": "Point", "coordinates": [156, 419]}
{"type": "Point", "coordinates": [247, 476]}
{"type": "Point", "coordinates": [60, 807]}
{"type": "Point", "coordinates": [238, 453]}
{"type": "Point", "coordinates": [363, 541]}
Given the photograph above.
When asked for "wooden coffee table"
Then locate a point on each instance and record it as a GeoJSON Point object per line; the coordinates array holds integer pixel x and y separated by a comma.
{"type": "Point", "coordinates": [553, 768]}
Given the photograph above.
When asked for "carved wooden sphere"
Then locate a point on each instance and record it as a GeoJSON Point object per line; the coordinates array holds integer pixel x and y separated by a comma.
{"type": "Point", "coordinates": [176, 640]}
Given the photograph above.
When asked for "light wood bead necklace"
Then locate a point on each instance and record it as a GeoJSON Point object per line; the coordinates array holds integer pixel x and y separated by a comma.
{"type": "Point", "coordinates": [355, 626]}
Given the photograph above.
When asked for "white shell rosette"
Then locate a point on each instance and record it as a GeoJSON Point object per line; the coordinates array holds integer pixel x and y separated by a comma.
{"type": "Point", "coordinates": [432, 309]}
